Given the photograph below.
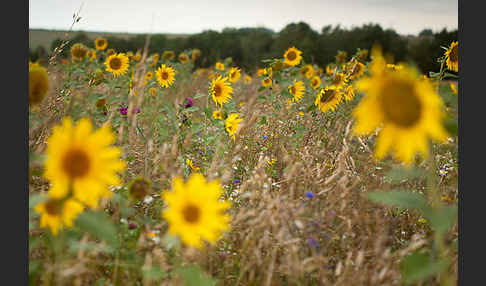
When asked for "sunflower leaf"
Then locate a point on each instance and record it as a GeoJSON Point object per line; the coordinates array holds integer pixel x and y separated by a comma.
{"type": "Point", "coordinates": [193, 276]}
{"type": "Point", "coordinates": [99, 225]}
{"type": "Point", "coordinates": [199, 95]}
{"type": "Point", "coordinates": [403, 199]}
{"type": "Point", "coordinates": [419, 266]}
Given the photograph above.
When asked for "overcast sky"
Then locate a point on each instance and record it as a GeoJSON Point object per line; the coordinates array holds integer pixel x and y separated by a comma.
{"type": "Point", "coordinates": [193, 16]}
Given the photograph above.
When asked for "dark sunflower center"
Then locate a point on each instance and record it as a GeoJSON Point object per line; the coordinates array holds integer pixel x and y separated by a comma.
{"type": "Point", "coordinates": [291, 56]}
{"type": "Point", "coordinates": [314, 82]}
{"type": "Point", "coordinates": [101, 43]}
{"type": "Point", "coordinates": [401, 104]}
{"type": "Point", "coordinates": [115, 64]}
{"type": "Point", "coordinates": [217, 90]}
{"type": "Point", "coordinates": [36, 94]}
{"type": "Point", "coordinates": [139, 189]}
{"type": "Point", "coordinates": [337, 79]}
{"type": "Point", "coordinates": [76, 163]}
{"type": "Point", "coordinates": [454, 55]}
{"type": "Point", "coordinates": [52, 207]}
{"type": "Point", "coordinates": [292, 89]}
{"type": "Point", "coordinates": [328, 95]}
{"type": "Point", "coordinates": [191, 213]}
{"type": "Point", "coordinates": [164, 75]}
{"type": "Point", "coordinates": [79, 53]}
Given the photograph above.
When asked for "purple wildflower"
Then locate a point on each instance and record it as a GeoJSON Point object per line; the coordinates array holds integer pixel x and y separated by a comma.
{"type": "Point", "coordinates": [123, 110]}
{"type": "Point", "coordinates": [189, 103]}
{"type": "Point", "coordinates": [236, 181]}
{"type": "Point", "coordinates": [310, 195]}
{"type": "Point", "coordinates": [313, 243]}
{"type": "Point", "coordinates": [132, 225]}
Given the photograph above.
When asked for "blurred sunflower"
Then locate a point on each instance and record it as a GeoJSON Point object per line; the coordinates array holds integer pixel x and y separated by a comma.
{"type": "Point", "coordinates": [92, 55]}
{"type": "Point", "coordinates": [101, 43]}
{"type": "Point", "coordinates": [248, 79]}
{"type": "Point", "coordinates": [218, 114]}
{"type": "Point", "coordinates": [117, 64]}
{"type": "Point", "coordinates": [260, 72]}
{"type": "Point", "coordinates": [38, 84]}
{"type": "Point", "coordinates": [349, 93]}
{"type": "Point", "coordinates": [110, 52]}
{"type": "Point", "coordinates": [277, 65]}
{"type": "Point", "coordinates": [191, 165]}
{"type": "Point", "coordinates": [55, 214]}
{"type": "Point", "coordinates": [139, 188]}
{"type": "Point", "coordinates": [165, 75]}
{"type": "Point", "coordinates": [406, 109]}
{"type": "Point", "coordinates": [183, 58]}
{"type": "Point", "coordinates": [82, 162]}
{"type": "Point", "coordinates": [355, 70]}
{"type": "Point", "coordinates": [266, 82]}
{"type": "Point", "coordinates": [168, 55]}
{"type": "Point", "coordinates": [234, 74]}
{"type": "Point", "coordinates": [130, 56]}
{"type": "Point", "coordinates": [362, 55]}
{"type": "Point", "coordinates": [339, 79]}
{"type": "Point", "coordinates": [452, 56]}
{"type": "Point", "coordinates": [194, 210]}
{"type": "Point", "coordinates": [232, 124]}
{"type": "Point", "coordinates": [307, 71]}
{"type": "Point", "coordinates": [341, 56]}
{"type": "Point", "coordinates": [148, 76]}
{"type": "Point", "coordinates": [297, 90]}
{"type": "Point", "coordinates": [328, 98]}
{"type": "Point", "coordinates": [196, 53]}
{"type": "Point", "coordinates": [292, 56]}
{"type": "Point", "coordinates": [220, 90]}
{"type": "Point", "coordinates": [219, 66]}
{"type": "Point", "coordinates": [79, 52]}
{"type": "Point", "coordinates": [453, 88]}
{"type": "Point", "coordinates": [155, 59]}
{"type": "Point", "coordinates": [268, 72]}
{"type": "Point", "coordinates": [315, 82]}
{"type": "Point", "coordinates": [329, 70]}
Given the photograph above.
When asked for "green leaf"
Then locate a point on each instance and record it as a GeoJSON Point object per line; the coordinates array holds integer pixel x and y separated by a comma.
{"type": "Point", "coordinates": [441, 219]}
{"type": "Point", "coordinates": [399, 174]}
{"type": "Point", "coordinates": [403, 199]}
{"type": "Point", "coordinates": [190, 109]}
{"type": "Point", "coordinates": [261, 88]}
{"type": "Point", "coordinates": [263, 120]}
{"type": "Point", "coordinates": [450, 75]}
{"type": "Point", "coordinates": [199, 95]}
{"type": "Point", "coordinates": [171, 241]}
{"type": "Point", "coordinates": [451, 125]}
{"type": "Point", "coordinates": [193, 276]}
{"type": "Point", "coordinates": [419, 266]}
{"type": "Point", "coordinates": [154, 273]}
{"type": "Point", "coordinates": [99, 225]}
{"type": "Point", "coordinates": [434, 74]}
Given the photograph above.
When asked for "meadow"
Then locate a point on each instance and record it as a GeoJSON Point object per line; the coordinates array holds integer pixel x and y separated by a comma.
{"type": "Point", "coordinates": [144, 170]}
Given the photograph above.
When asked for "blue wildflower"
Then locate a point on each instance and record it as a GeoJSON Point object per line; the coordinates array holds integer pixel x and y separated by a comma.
{"type": "Point", "coordinates": [313, 243]}
{"type": "Point", "coordinates": [310, 195]}
{"type": "Point", "coordinates": [236, 181]}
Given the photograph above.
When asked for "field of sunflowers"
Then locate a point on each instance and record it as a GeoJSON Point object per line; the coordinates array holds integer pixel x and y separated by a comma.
{"type": "Point", "coordinates": [144, 170]}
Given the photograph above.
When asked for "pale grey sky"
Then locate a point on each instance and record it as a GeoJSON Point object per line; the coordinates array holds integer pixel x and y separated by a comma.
{"type": "Point", "coordinates": [190, 16]}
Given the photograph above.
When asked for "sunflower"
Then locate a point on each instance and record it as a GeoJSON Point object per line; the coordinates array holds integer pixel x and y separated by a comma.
{"type": "Point", "coordinates": [307, 71]}
{"type": "Point", "coordinates": [155, 58]}
{"type": "Point", "coordinates": [82, 162]}
{"type": "Point", "coordinates": [92, 55]}
{"type": "Point", "coordinates": [315, 82]}
{"type": "Point", "coordinates": [355, 70]}
{"type": "Point", "coordinates": [38, 84]}
{"type": "Point", "coordinates": [260, 72]}
{"type": "Point", "coordinates": [117, 64]}
{"type": "Point", "coordinates": [101, 43]}
{"type": "Point", "coordinates": [341, 56]}
{"type": "Point", "coordinates": [110, 52]}
{"type": "Point", "coordinates": [268, 72]}
{"type": "Point", "coordinates": [183, 58]}
{"type": "Point", "coordinates": [196, 53]}
{"type": "Point", "coordinates": [297, 90]}
{"type": "Point", "coordinates": [292, 56]}
{"type": "Point", "coordinates": [408, 111]}
{"type": "Point", "coordinates": [278, 65]}
{"type": "Point", "coordinates": [79, 52]}
{"type": "Point", "coordinates": [248, 79]}
{"type": "Point", "coordinates": [266, 82]}
{"type": "Point", "coordinates": [320, 71]}
{"type": "Point", "coordinates": [139, 188]}
{"type": "Point", "coordinates": [453, 88]}
{"type": "Point", "coordinates": [138, 56]}
{"type": "Point", "coordinates": [219, 66]}
{"type": "Point", "coordinates": [362, 55]}
{"type": "Point", "coordinates": [329, 70]}
{"type": "Point", "coordinates": [452, 56]}
{"type": "Point", "coordinates": [328, 98]}
{"type": "Point", "coordinates": [148, 76]}
{"type": "Point", "coordinates": [220, 90]}
{"type": "Point", "coordinates": [218, 114]}
{"type": "Point", "coordinates": [232, 124]}
{"type": "Point", "coordinates": [234, 74]}
{"type": "Point", "coordinates": [349, 93]}
{"type": "Point", "coordinates": [191, 165]}
{"type": "Point", "coordinates": [55, 214]}
{"type": "Point", "coordinates": [168, 55]}
{"type": "Point", "coordinates": [165, 75]}
{"type": "Point", "coordinates": [194, 210]}
{"type": "Point", "coordinates": [339, 79]}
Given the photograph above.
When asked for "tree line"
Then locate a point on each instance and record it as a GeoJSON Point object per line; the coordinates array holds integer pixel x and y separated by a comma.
{"type": "Point", "coordinates": [249, 46]}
